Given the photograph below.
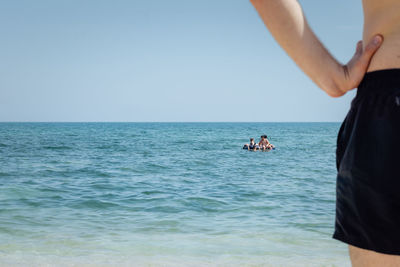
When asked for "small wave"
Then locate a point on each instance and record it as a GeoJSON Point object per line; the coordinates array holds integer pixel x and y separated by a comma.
{"type": "Point", "coordinates": [156, 167]}
{"type": "Point", "coordinates": [205, 204]}
{"type": "Point", "coordinates": [105, 147]}
{"type": "Point", "coordinates": [208, 201]}
{"type": "Point", "coordinates": [93, 172]}
{"type": "Point", "coordinates": [183, 142]}
{"type": "Point", "coordinates": [30, 202]}
{"type": "Point", "coordinates": [152, 192]}
{"type": "Point", "coordinates": [95, 204]}
{"type": "Point", "coordinates": [57, 147]}
{"type": "Point", "coordinates": [164, 209]}
{"type": "Point", "coordinates": [53, 190]}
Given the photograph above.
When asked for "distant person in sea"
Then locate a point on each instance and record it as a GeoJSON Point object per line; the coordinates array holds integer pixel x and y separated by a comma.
{"type": "Point", "coordinates": [264, 143]}
{"type": "Point", "coordinates": [268, 143]}
{"type": "Point", "coordinates": [252, 146]}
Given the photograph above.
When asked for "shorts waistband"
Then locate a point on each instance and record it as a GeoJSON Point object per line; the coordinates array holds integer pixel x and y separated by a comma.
{"type": "Point", "coordinates": [380, 81]}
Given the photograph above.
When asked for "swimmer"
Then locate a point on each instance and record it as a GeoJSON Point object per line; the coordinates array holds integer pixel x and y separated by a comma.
{"type": "Point", "coordinates": [269, 145]}
{"type": "Point", "coordinates": [252, 146]}
{"type": "Point", "coordinates": [264, 143]}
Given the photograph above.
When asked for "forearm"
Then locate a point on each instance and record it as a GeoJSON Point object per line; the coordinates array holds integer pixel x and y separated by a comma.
{"type": "Point", "coordinates": [286, 22]}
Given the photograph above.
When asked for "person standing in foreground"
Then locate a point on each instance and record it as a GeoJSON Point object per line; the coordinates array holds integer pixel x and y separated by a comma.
{"type": "Point", "coordinates": [368, 144]}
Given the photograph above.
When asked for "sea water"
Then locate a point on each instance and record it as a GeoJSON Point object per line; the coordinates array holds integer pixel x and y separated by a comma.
{"type": "Point", "coordinates": [167, 194]}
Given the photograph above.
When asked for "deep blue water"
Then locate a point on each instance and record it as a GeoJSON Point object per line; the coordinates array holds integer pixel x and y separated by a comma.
{"type": "Point", "coordinates": [167, 194]}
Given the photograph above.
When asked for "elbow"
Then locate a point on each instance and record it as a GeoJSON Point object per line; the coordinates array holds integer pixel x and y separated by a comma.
{"type": "Point", "coordinates": [334, 94]}
{"type": "Point", "coordinates": [330, 83]}
{"type": "Point", "coordinates": [333, 90]}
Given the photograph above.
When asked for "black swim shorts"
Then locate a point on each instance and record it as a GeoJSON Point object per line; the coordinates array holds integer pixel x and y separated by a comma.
{"type": "Point", "coordinates": [368, 163]}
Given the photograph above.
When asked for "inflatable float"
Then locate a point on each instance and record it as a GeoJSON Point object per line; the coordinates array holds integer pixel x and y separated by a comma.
{"type": "Point", "coordinates": [246, 147]}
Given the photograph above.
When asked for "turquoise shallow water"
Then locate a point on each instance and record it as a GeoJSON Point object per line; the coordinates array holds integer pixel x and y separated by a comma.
{"type": "Point", "coordinates": [167, 194]}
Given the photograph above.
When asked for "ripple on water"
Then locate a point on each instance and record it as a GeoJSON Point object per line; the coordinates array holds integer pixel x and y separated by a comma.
{"type": "Point", "coordinates": [93, 204]}
{"type": "Point", "coordinates": [57, 147]}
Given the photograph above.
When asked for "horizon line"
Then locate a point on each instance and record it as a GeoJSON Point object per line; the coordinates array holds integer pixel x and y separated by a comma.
{"type": "Point", "coordinates": [170, 121]}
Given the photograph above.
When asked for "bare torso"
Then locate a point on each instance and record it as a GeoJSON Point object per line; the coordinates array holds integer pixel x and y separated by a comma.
{"type": "Point", "coordinates": [383, 16]}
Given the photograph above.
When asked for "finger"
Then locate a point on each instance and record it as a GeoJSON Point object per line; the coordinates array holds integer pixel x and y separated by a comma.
{"type": "Point", "coordinates": [359, 49]}
{"type": "Point", "coordinates": [357, 54]}
{"type": "Point", "coordinates": [371, 48]}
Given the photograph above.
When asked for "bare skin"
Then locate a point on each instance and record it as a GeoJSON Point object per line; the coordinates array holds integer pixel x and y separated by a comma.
{"type": "Point", "coordinates": [286, 22]}
{"type": "Point", "coordinates": [383, 17]}
{"type": "Point", "coordinates": [366, 258]}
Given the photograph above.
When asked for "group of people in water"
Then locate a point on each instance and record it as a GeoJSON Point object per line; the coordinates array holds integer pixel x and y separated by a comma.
{"type": "Point", "coordinates": [263, 144]}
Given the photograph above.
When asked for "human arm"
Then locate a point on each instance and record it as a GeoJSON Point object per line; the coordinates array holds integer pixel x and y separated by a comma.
{"type": "Point", "coordinates": [286, 22]}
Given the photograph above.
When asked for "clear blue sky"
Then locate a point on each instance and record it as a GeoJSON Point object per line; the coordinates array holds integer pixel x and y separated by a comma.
{"type": "Point", "coordinates": [177, 60]}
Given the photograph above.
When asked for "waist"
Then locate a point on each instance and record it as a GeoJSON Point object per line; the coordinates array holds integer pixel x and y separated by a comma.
{"type": "Point", "coordinates": [380, 81]}
{"type": "Point", "coordinates": [379, 90]}
{"type": "Point", "coordinates": [387, 56]}
{"type": "Point", "coordinates": [379, 87]}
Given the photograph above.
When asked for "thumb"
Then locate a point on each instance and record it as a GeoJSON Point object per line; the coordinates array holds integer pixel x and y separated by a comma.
{"type": "Point", "coordinates": [371, 48]}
